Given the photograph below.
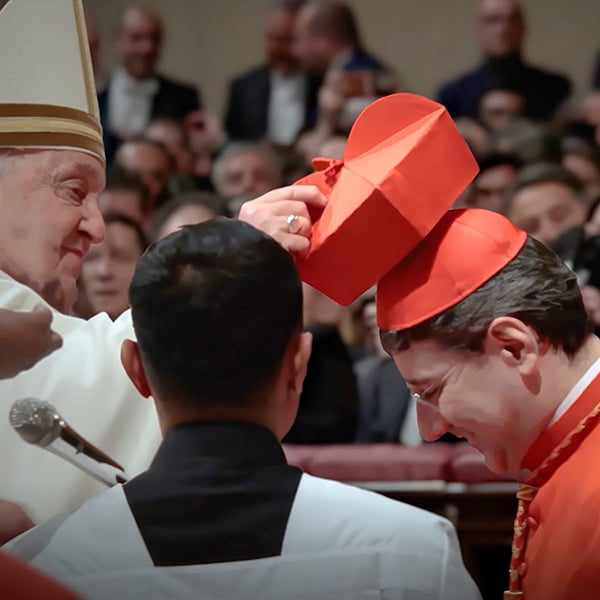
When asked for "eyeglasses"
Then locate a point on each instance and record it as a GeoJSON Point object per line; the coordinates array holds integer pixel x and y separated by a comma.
{"type": "Point", "coordinates": [429, 396]}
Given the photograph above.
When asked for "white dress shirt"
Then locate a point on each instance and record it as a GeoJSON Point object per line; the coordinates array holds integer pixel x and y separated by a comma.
{"type": "Point", "coordinates": [129, 102]}
{"type": "Point", "coordinates": [287, 102]}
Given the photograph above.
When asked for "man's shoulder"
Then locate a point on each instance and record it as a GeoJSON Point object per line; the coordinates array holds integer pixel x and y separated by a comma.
{"type": "Point", "coordinates": [361, 59]}
{"type": "Point", "coordinates": [465, 79]}
{"type": "Point", "coordinates": [547, 77]}
{"type": "Point", "coordinates": [173, 86]}
{"type": "Point", "coordinates": [361, 509]}
{"type": "Point", "coordinates": [85, 541]}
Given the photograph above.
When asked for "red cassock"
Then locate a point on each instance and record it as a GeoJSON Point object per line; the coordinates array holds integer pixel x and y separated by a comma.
{"type": "Point", "coordinates": [556, 549]}
{"type": "Point", "coordinates": [20, 582]}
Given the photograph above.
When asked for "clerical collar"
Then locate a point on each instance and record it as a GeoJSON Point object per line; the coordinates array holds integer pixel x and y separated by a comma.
{"type": "Point", "coordinates": [576, 391]}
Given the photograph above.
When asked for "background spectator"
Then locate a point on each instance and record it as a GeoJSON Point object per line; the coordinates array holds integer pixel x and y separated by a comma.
{"type": "Point", "coordinates": [546, 200]}
{"type": "Point", "coordinates": [126, 195]}
{"type": "Point", "coordinates": [246, 170]}
{"type": "Point", "coordinates": [274, 101]}
{"type": "Point", "coordinates": [501, 29]}
{"type": "Point", "coordinates": [187, 209]}
{"type": "Point", "coordinates": [136, 93]}
{"type": "Point", "coordinates": [108, 268]}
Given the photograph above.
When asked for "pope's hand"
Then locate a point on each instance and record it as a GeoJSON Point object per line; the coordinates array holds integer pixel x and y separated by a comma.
{"type": "Point", "coordinates": [283, 214]}
{"type": "Point", "coordinates": [25, 338]}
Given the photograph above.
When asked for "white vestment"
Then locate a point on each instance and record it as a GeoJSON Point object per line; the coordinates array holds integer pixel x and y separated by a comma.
{"type": "Point", "coordinates": [86, 383]}
{"type": "Point", "coordinates": [341, 543]}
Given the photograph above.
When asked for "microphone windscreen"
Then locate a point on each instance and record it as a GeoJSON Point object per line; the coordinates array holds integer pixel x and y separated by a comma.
{"type": "Point", "coordinates": [36, 421]}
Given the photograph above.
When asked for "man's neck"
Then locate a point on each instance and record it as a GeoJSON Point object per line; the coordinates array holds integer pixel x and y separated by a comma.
{"type": "Point", "coordinates": [174, 414]}
{"type": "Point", "coordinates": [561, 375]}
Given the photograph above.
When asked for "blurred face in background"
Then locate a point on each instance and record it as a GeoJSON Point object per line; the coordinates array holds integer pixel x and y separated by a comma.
{"type": "Point", "coordinates": [122, 202]}
{"type": "Point", "coordinates": [546, 210]}
{"type": "Point", "coordinates": [108, 269]}
{"type": "Point", "coordinates": [247, 173]}
{"type": "Point", "coordinates": [497, 108]}
{"type": "Point", "coordinates": [150, 162]}
{"type": "Point", "coordinates": [172, 136]}
{"type": "Point", "coordinates": [586, 171]}
{"type": "Point", "coordinates": [310, 48]}
{"type": "Point", "coordinates": [489, 188]}
{"type": "Point", "coordinates": [279, 40]}
{"type": "Point", "coordinates": [139, 42]}
{"type": "Point", "coordinates": [500, 27]}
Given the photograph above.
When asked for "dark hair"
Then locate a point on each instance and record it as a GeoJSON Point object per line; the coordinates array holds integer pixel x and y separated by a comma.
{"type": "Point", "coordinates": [593, 206]}
{"type": "Point", "coordinates": [542, 172]}
{"type": "Point", "coordinates": [115, 217]}
{"type": "Point", "coordinates": [581, 147]}
{"type": "Point", "coordinates": [499, 159]}
{"type": "Point", "coordinates": [337, 20]}
{"type": "Point", "coordinates": [120, 179]}
{"type": "Point", "coordinates": [214, 203]}
{"type": "Point", "coordinates": [214, 307]}
{"type": "Point", "coordinates": [536, 287]}
{"type": "Point", "coordinates": [531, 142]}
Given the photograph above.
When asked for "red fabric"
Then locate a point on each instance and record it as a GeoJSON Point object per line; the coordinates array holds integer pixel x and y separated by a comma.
{"type": "Point", "coordinates": [561, 540]}
{"type": "Point", "coordinates": [405, 164]}
{"type": "Point", "coordinates": [374, 462]}
{"type": "Point", "coordinates": [466, 249]}
{"type": "Point", "coordinates": [20, 582]}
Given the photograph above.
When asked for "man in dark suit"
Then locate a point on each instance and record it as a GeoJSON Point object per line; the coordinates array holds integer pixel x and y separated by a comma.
{"type": "Point", "coordinates": [500, 32]}
{"type": "Point", "coordinates": [274, 101]}
{"type": "Point", "coordinates": [136, 93]}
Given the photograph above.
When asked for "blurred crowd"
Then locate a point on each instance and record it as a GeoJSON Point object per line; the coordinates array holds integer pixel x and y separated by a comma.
{"type": "Point", "coordinates": [172, 163]}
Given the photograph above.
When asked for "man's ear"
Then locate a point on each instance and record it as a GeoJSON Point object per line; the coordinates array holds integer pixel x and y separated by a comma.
{"type": "Point", "coordinates": [515, 342]}
{"type": "Point", "coordinates": [132, 363]}
{"type": "Point", "coordinates": [301, 360]}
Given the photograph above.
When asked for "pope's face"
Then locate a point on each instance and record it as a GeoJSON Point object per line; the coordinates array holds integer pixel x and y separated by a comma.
{"type": "Point", "coordinates": [476, 397]}
{"type": "Point", "coordinates": [50, 218]}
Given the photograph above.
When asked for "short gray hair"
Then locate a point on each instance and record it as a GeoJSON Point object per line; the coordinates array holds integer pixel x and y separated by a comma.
{"type": "Point", "coordinates": [237, 148]}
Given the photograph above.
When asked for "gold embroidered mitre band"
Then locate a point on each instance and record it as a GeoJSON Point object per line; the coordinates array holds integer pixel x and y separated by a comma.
{"type": "Point", "coordinates": [48, 96]}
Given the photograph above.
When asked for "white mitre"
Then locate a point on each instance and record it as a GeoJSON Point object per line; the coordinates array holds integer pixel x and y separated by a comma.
{"type": "Point", "coordinates": [47, 92]}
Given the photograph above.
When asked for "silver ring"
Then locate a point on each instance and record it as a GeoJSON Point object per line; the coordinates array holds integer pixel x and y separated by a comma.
{"type": "Point", "coordinates": [292, 223]}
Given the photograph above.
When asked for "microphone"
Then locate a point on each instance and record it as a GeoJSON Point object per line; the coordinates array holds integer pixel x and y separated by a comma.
{"type": "Point", "coordinates": [38, 423]}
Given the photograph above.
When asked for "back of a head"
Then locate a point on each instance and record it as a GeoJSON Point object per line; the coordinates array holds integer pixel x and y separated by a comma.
{"type": "Point", "coordinates": [214, 307]}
